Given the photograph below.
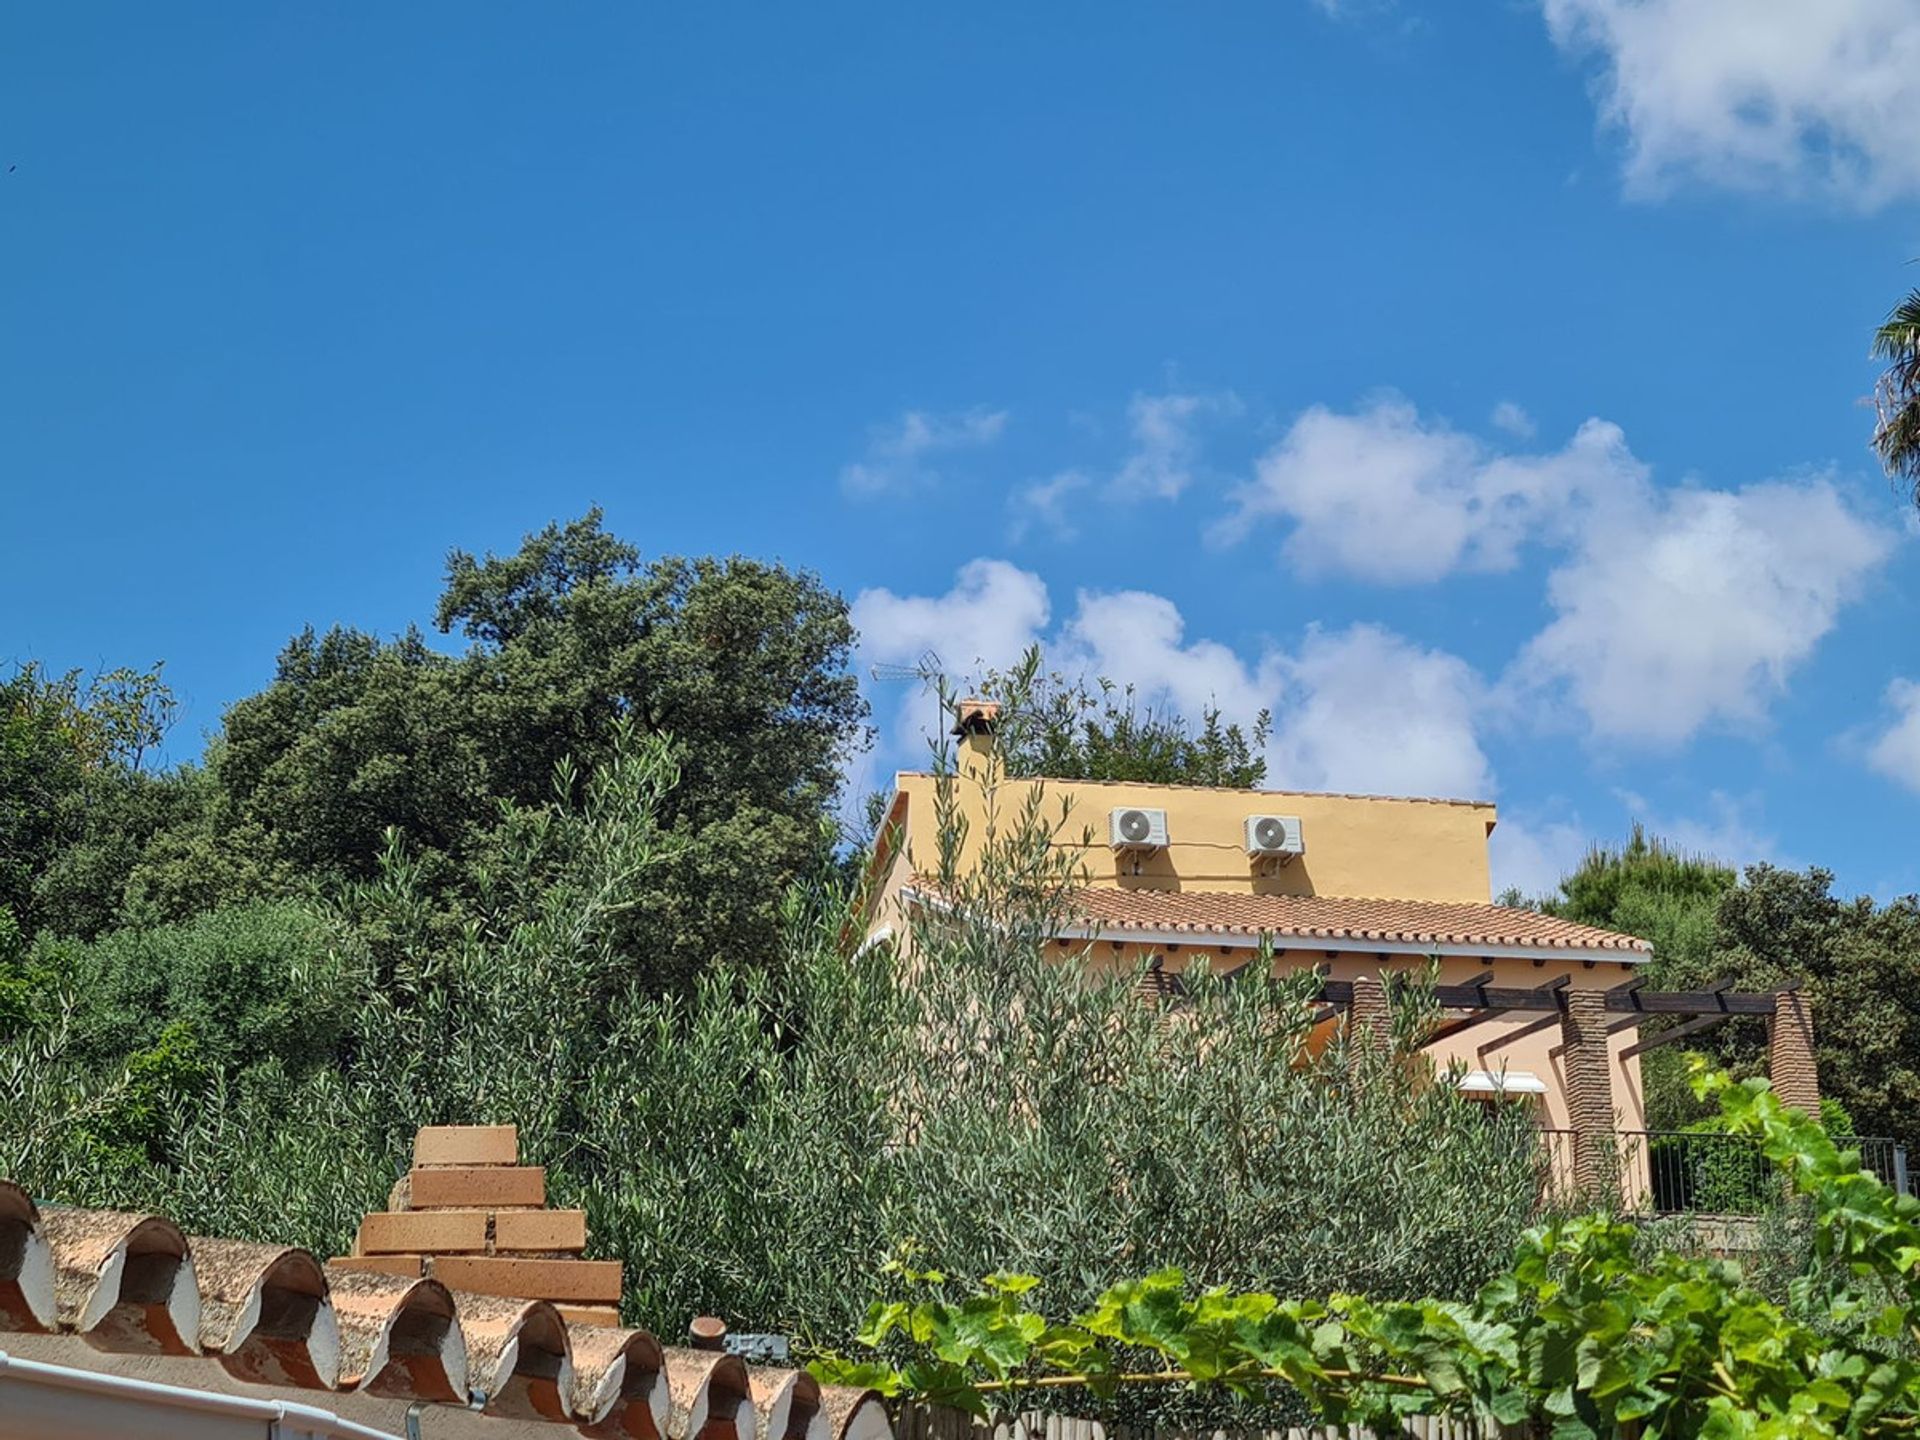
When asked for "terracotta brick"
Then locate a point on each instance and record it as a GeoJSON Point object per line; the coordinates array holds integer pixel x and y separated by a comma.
{"type": "Point", "coordinates": [467, 1145]}
{"type": "Point", "coordinates": [412, 1266]}
{"type": "Point", "coordinates": [593, 1281]}
{"type": "Point", "coordinates": [1371, 1018]}
{"type": "Point", "coordinates": [1790, 1062]}
{"type": "Point", "coordinates": [608, 1315]}
{"type": "Point", "coordinates": [461, 1187]}
{"type": "Point", "coordinates": [417, 1230]}
{"type": "Point", "coordinates": [1588, 1069]}
{"type": "Point", "coordinates": [538, 1230]}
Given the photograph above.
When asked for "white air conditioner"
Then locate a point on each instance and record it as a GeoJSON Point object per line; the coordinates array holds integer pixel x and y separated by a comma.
{"type": "Point", "coordinates": [1130, 828]}
{"type": "Point", "coordinates": [1275, 837]}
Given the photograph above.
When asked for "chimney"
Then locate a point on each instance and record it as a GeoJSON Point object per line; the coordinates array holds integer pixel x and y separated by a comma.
{"type": "Point", "coordinates": [974, 722]}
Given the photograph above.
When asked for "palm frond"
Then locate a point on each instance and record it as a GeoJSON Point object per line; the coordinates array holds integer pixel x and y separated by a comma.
{"type": "Point", "coordinates": [1896, 397]}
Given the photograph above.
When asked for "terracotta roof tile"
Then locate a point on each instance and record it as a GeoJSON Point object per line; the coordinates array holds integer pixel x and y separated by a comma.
{"type": "Point", "coordinates": [1442, 924]}
{"type": "Point", "coordinates": [129, 1283]}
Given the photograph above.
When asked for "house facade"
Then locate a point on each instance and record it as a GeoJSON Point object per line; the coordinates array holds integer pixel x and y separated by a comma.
{"type": "Point", "coordinates": [1357, 886]}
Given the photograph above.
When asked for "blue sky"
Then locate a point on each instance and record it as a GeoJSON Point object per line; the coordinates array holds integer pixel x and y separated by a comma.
{"type": "Point", "coordinates": [1479, 387]}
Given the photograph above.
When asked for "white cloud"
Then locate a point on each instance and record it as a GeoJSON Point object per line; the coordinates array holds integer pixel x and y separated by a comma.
{"type": "Point", "coordinates": [1385, 495]}
{"type": "Point", "coordinates": [1801, 97]}
{"type": "Point", "coordinates": [1513, 419]}
{"type": "Point", "coordinates": [1165, 449]}
{"type": "Point", "coordinates": [1331, 729]}
{"type": "Point", "coordinates": [1687, 608]}
{"type": "Point", "coordinates": [1135, 638]}
{"type": "Point", "coordinates": [1672, 609]}
{"type": "Point", "coordinates": [993, 612]}
{"type": "Point", "coordinates": [1366, 710]}
{"type": "Point", "coordinates": [1042, 505]}
{"type": "Point", "coordinates": [900, 455]}
{"type": "Point", "coordinates": [1895, 752]}
{"type": "Point", "coordinates": [1533, 856]}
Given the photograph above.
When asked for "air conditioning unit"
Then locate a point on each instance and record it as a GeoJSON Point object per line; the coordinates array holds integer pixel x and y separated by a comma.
{"type": "Point", "coordinates": [1275, 837]}
{"type": "Point", "coordinates": [1130, 828]}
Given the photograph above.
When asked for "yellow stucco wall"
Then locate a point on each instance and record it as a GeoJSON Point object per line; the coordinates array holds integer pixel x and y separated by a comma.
{"type": "Point", "coordinates": [1356, 846]}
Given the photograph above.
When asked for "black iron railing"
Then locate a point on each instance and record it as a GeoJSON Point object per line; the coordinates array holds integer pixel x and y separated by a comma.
{"type": "Point", "coordinates": [1692, 1172]}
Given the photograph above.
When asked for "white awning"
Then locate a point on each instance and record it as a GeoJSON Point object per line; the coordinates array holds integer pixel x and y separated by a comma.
{"type": "Point", "coordinates": [1502, 1082]}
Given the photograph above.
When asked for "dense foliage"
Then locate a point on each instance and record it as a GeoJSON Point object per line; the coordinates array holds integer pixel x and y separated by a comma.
{"type": "Point", "coordinates": [757, 1146]}
{"type": "Point", "coordinates": [1587, 1332]}
{"type": "Point", "coordinates": [583, 875]}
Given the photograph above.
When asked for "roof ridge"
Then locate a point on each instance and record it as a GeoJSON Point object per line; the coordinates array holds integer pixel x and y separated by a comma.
{"type": "Point", "coordinates": [1232, 790]}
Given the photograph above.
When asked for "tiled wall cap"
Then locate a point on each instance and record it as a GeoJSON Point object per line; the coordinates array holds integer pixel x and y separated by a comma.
{"type": "Point", "coordinates": [124, 1282]}
{"type": "Point", "coordinates": [266, 1313]}
{"type": "Point", "coordinates": [398, 1337]}
{"type": "Point", "coordinates": [619, 1384]}
{"type": "Point", "coordinates": [518, 1356]}
{"type": "Point", "coordinates": [270, 1314]}
{"type": "Point", "coordinates": [26, 1265]}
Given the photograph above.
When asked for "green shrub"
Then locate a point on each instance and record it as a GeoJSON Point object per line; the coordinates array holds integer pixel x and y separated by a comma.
{"type": "Point", "coordinates": [249, 983]}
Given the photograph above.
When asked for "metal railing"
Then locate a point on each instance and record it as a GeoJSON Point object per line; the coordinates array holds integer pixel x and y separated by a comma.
{"type": "Point", "coordinates": [1686, 1172]}
{"type": "Point", "coordinates": [1700, 1172]}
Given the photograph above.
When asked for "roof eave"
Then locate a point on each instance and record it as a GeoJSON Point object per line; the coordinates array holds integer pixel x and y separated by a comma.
{"type": "Point", "coordinates": [1356, 945]}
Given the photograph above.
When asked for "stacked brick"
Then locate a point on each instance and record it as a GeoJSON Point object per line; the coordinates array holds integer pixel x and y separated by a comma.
{"type": "Point", "coordinates": [475, 1219]}
{"type": "Point", "coordinates": [1790, 1063]}
{"type": "Point", "coordinates": [1584, 1026]}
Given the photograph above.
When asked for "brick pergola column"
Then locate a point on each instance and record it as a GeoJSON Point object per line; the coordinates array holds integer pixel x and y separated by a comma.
{"type": "Point", "coordinates": [1371, 1020]}
{"type": "Point", "coordinates": [1790, 1064]}
{"type": "Point", "coordinates": [1589, 1080]}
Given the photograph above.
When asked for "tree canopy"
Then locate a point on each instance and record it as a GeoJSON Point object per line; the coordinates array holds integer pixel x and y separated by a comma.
{"type": "Point", "coordinates": [1070, 727]}
{"type": "Point", "coordinates": [360, 743]}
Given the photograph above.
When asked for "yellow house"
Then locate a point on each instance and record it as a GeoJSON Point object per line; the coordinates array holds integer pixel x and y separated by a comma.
{"type": "Point", "coordinates": [1355, 885]}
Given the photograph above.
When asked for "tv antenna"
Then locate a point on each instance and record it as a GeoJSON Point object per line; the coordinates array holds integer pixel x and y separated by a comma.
{"type": "Point", "coordinates": [926, 671]}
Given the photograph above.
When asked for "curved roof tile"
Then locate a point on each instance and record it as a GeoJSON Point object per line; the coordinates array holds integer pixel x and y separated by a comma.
{"type": "Point", "coordinates": [275, 1315]}
{"type": "Point", "coordinates": [711, 1396]}
{"type": "Point", "coordinates": [789, 1405]}
{"type": "Point", "coordinates": [125, 1282]}
{"type": "Point", "coordinates": [619, 1384]}
{"type": "Point", "coordinates": [398, 1337]}
{"type": "Point", "coordinates": [1327, 917]}
{"type": "Point", "coordinates": [265, 1312]}
{"type": "Point", "coordinates": [518, 1356]}
{"type": "Point", "coordinates": [26, 1265]}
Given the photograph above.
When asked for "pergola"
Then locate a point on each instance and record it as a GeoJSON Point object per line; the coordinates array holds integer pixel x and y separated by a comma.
{"type": "Point", "coordinates": [1588, 1018]}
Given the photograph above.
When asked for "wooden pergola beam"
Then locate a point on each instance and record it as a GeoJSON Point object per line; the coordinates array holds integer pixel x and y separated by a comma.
{"type": "Point", "coordinates": [1629, 999]}
{"type": "Point", "coordinates": [1532, 1027]}
{"type": "Point", "coordinates": [1481, 1016]}
{"type": "Point", "coordinates": [1667, 1037]}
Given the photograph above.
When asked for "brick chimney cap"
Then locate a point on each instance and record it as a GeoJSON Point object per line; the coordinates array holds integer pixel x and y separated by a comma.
{"type": "Point", "coordinates": [976, 716]}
